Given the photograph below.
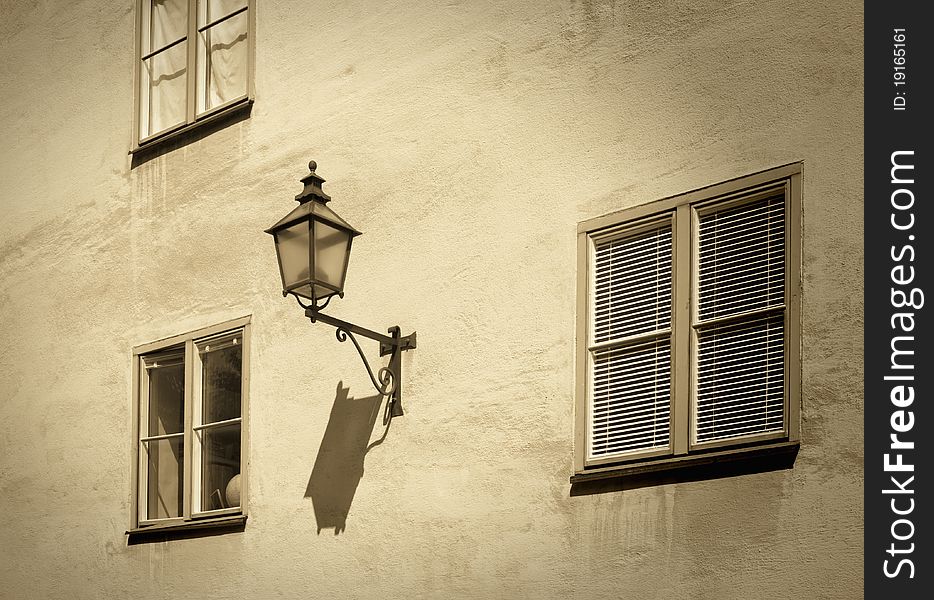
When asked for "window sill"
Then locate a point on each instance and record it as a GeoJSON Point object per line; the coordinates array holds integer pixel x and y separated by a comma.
{"type": "Point", "coordinates": [184, 134]}
{"type": "Point", "coordinates": [708, 465]}
{"type": "Point", "coordinates": [188, 529]}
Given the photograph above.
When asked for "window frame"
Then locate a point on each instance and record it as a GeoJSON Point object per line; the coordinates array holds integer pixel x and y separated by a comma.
{"type": "Point", "coordinates": [193, 120]}
{"type": "Point", "coordinates": [682, 210]}
{"type": "Point", "coordinates": [623, 230]}
{"type": "Point", "coordinates": [188, 344]}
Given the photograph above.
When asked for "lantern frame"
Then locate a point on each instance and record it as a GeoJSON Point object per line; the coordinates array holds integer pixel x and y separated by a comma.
{"type": "Point", "coordinates": [313, 210]}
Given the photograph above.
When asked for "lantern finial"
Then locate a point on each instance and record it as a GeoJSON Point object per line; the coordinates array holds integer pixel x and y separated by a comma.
{"type": "Point", "coordinates": [313, 189]}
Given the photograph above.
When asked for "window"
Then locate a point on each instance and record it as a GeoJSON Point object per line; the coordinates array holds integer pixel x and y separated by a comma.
{"type": "Point", "coordinates": [190, 426]}
{"type": "Point", "coordinates": [688, 327]}
{"type": "Point", "coordinates": [193, 62]}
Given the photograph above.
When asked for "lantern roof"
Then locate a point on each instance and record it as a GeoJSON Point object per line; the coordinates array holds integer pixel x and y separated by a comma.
{"type": "Point", "coordinates": [312, 205]}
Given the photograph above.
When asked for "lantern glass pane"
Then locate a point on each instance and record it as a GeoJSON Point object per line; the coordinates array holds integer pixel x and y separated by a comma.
{"type": "Point", "coordinates": [293, 253]}
{"type": "Point", "coordinates": [305, 291]}
{"type": "Point", "coordinates": [330, 254]}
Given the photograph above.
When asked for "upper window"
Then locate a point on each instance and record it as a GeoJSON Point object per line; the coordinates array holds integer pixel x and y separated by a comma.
{"type": "Point", "coordinates": [191, 404]}
{"type": "Point", "coordinates": [193, 61]}
{"type": "Point", "coordinates": [689, 330]}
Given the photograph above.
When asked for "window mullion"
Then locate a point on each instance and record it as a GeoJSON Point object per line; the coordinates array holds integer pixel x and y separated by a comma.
{"type": "Point", "coordinates": [244, 413]}
{"type": "Point", "coordinates": [191, 75]}
{"type": "Point", "coordinates": [681, 334]}
{"type": "Point", "coordinates": [142, 489]}
{"type": "Point", "coordinates": [189, 394]}
{"type": "Point", "coordinates": [137, 67]}
{"type": "Point", "coordinates": [197, 437]}
{"type": "Point", "coordinates": [251, 48]}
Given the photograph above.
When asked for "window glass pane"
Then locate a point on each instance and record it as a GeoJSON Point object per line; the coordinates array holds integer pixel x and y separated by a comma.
{"type": "Point", "coordinates": [166, 394]}
{"type": "Point", "coordinates": [164, 478]}
{"type": "Point", "coordinates": [741, 256]}
{"type": "Point", "coordinates": [222, 64]}
{"type": "Point", "coordinates": [220, 379]}
{"type": "Point", "coordinates": [740, 365]}
{"type": "Point", "coordinates": [163, 83]}
{"type": "Point", "coordinates": [220, 467]}
{"type": "Point", "coordinates": [632, 284]}
{"type": "Point", "coordinates": [169, 22]}
{"type": "Point", "coordinates": [741, 379]}
{"type": "Point", "coordinates": [220, 8]}
{"type": "Point", "coordinates": [631, 398]}
{"type": "Point", "coordinates": [331, 253]}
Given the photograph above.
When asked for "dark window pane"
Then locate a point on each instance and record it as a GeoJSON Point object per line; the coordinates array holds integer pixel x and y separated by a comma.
{"type": "Point", "coordinates": [165, 465]}
{"type": "Point", "coordinates": [220, 379]}
{"type": "Point", "coordinates": [166, 374]}
{"type": "Point", "coordinates": [220, 469]}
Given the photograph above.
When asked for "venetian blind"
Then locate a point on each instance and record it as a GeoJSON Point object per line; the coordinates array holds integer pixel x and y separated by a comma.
{"type": "Point", "coordinates": [740, 358]}
{"type": "Point", "coordinates": [631, 357]}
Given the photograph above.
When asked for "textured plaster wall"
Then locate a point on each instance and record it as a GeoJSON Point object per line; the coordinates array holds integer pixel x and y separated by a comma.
{"type": "Point", "coordinates": [466, 140]}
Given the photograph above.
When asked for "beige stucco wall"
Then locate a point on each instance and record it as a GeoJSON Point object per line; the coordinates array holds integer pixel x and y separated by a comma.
{"type": "Point", "coordinates": [467, 140]}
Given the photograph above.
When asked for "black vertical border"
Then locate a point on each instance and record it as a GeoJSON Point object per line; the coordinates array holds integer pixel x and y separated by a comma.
{"type": "Point", "coordinates": [889, 130]}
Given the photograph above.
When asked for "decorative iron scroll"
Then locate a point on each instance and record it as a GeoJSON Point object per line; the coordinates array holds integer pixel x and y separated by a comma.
{"type": "Point", "coordinates": [388, 380]}
{"type": "Point", "coordinates": [383, 381]}
{"type": "Point", "coordinates": [315, 307]}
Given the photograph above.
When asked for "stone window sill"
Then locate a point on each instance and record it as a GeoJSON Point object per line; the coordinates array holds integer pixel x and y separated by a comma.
{"type": "Point", "coordinates": [187, 529]}
{"type": "Point", "coordinates": [233, 112]}
{"type": "Point", "coordinates": [707, 465]}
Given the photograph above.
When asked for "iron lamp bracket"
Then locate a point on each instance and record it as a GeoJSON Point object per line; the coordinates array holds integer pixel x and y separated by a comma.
{"type": "Point", "coordinates": [387, 380]}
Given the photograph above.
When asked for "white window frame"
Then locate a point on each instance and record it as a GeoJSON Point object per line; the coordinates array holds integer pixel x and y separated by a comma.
{"type": "Point", "coordinates": [193, 117]}
{"type": "Point", "coordinates": [188, 344]}
{"type": "Point", "coordinates": [682, 211]}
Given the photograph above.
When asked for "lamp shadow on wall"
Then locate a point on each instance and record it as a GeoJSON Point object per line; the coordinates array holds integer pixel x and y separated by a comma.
{"type": "Point", "coordinates": [339, 464]}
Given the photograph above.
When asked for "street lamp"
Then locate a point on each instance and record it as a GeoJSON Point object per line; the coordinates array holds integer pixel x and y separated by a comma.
{"type": "Point", "coordinates": [313, 247]}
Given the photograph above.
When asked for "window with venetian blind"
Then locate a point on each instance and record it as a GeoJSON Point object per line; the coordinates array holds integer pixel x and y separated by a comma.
{"type": "Point", "coordinates": [193, 62]}
{"type": "Point", "coordinates": [689, 324]}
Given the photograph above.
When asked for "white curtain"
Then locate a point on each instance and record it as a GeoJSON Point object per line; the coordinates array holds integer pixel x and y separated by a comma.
{"type": "Point", "coordinates": [165, 72]}
{"type": "Point", "coordinates": [223, 64]}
